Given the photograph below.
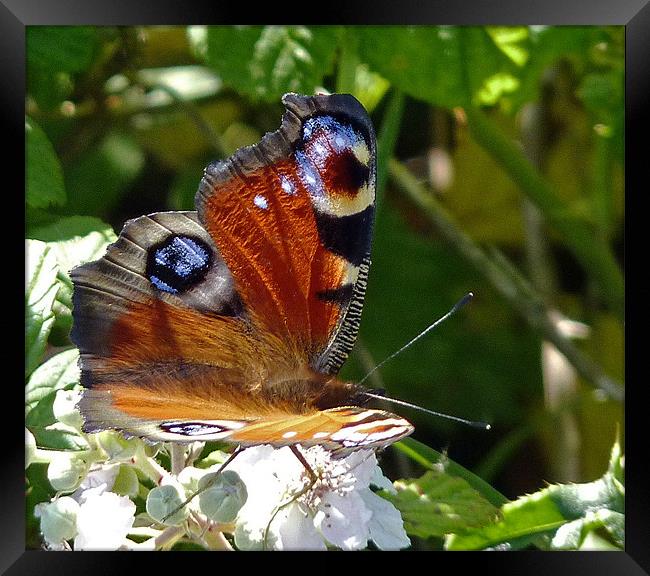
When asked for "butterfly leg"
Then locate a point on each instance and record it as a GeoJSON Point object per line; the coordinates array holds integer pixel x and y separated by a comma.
{"type": "Point", "coordinates": [209, 484]}
{"type": "Point", "coordinates": [304, 462]}
{"type": "Point", "coordinates": [313, 479]}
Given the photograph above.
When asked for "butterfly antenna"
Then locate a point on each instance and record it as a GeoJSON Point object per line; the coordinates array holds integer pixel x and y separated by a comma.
{"type": "Point", "coordinates": [472, 423]}
{"type": "Point", "coordinates": [455, 308]}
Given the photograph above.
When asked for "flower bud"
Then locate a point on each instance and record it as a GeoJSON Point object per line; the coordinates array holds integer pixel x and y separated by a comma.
{"type": "Point", "coordinates": [223, 500]}
{"type": "Point", "coordinates": [66, 470]}
{"type": "Point", "coordinates": [126, 482]}
{"type": "Point", "coordinates": [117, 447]}
{"type": "Point", "coordinates": [58, 519]}
{"type": "Point", "coordinates": [163, 500]}
{"type": "Point", "coordinates": [189, 477]}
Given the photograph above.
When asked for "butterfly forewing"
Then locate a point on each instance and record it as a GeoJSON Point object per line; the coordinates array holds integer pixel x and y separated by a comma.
{"type": "Point", "coordinates": [226, 323]}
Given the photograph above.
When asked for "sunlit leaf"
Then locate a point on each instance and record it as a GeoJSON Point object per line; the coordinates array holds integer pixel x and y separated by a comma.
{"type": "Point", "coordinates": [58, 373]}
{"type": "Point", "coordinates": [41, 290]}
{"type": "Point", "coordinates": [548, 510]}
{"type": "Point", "coordinates": [264, 62]}
{"type": "Point", "coordinates": [76, 239]}
{"type": "Point", "coordinates": [437, 504]}
{"type": "Point", "coordinates": [73, 240]}
{"type": "Point", "coordinates": [443, 65]}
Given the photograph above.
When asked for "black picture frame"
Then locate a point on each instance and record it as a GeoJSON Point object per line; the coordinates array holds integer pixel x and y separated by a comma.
{"type": "Point", "coordinates": [15, 15]}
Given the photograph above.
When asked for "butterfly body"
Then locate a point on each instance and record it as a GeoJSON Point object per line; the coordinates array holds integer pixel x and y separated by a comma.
{"type": "Point", "coordinates": [231, 322]}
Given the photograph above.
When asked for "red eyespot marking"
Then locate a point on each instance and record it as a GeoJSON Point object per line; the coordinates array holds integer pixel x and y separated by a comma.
{"type": "Point", "coordinates": [345, 174]}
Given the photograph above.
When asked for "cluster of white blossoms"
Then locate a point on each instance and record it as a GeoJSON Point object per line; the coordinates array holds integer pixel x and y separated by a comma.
{"type": "Point", "coordinates": [93, 517]}
{"type": "Point", "coordinates": [265, 498]}
{"type": "Point", "coordinates": [339, 509]}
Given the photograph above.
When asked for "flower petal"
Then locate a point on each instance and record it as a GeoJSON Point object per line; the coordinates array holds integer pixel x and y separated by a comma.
{"type": "Point", "coordinates": [296, 531]}
{"type": "Point", "coordinates": [103, 521]}
{"type": "Point", "coordinates": [343, 520]}
{"type": "Point", "coordinates": [386, 525]}
{"type": "Point", "coordinates": [380, 481]}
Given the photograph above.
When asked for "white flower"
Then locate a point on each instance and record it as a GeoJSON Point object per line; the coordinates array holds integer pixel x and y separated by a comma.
{"type": "Point", "coordinates": [285, 512]}
{"type": "Point", "coordinates": [96, 482]}
{"type": "Point", "coordinates": [103, 521]}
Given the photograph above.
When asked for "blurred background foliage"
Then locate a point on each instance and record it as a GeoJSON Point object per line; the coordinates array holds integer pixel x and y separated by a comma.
{"type": "Point", "coordinates": [501, 172]}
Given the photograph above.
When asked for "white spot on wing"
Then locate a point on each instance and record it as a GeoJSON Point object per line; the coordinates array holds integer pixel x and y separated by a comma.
{"type": "Point", "coordinates": [287, 186]}
{"type": "Point", "coordinates": [289, 434]}
{"type": "Point", "coordinates": [362, 433]}
{"type": "Point", "coordinates": [261, 202]}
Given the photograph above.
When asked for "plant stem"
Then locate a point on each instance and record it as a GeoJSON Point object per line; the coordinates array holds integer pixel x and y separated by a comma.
{"type": "Point", "coordinates": [388, 137]}
{"type": "Point", "coordinates": [590, 249]}
{"type": "Point", "coordinates": [177, 453]}
{"type": "Point", "coordinates": [506, 280]}
{"type": "Point", "coordinates": [149, 467]}
{"type": "Point", "coordinates": [348, 62]}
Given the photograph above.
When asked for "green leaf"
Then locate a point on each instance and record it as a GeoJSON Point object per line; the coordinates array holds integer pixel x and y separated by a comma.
{"type": "Point", "coordinates": [58, 373]}
{"type": "Point", "coordinates": [59, 437]}
{"type": "Point", "coordinates": [73, 240]}
{"type": "Point", "coordinates": [42, 414]}
{"type": "Point", "coordinates": [60, 48]}
{"type": "Point", "coordinates": [369, 87]}
{"type": "Point", "coordinates": [44, 174]}
{"type": "Point", "coordinates": [264, 62]}
{"type": "Point", "coordinates": [437, 504]}
{"type": "Point", "coordinates": [54, 53]}
{"type": "Point", "coordinates": [76, 239]}
{"type": "Point", "coordinates": [48, 432]}
{"type": "Point", "coordinates": [616, 466]}
{"type": "Point", "coordinates": [544, 512]}
{"type": "Point", "coordinates": [576, 535]}
{"type": "Point", "coordinates": [546, 45]}
{"type": "Point", "coordinates": [430, 458]}
{"type": "Point", "coordinates": [509, 40]}
{"type": "Point", "coordinates": [443, 65]}
{"type": "Point", "coordinates": [42, 288]}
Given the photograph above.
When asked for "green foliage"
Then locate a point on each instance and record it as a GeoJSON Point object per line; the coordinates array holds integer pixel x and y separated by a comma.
{"type": "Point", "coordinates": [264, 62]}
{"type": "Point", "coordinates": [42, 288]}
{"type": "Point", "coordinates": [54, 55]}
{"type": "Point", "coordinates": [444, 65]}
{"type": "Point", "coordinates": [565, 514]}
{"type": "Point", "coordinates": [121, 121]}
{"type": "Point", "coordinates": [58, 373]}
{"type": "Point", "coordinates": [60, 48]}
{"type": "Point", "coordinates": [437, 504]}
{"type": "Point", "coordinates": [102, 174]}
{"type": "Point", "coordinates": [44, 184]}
